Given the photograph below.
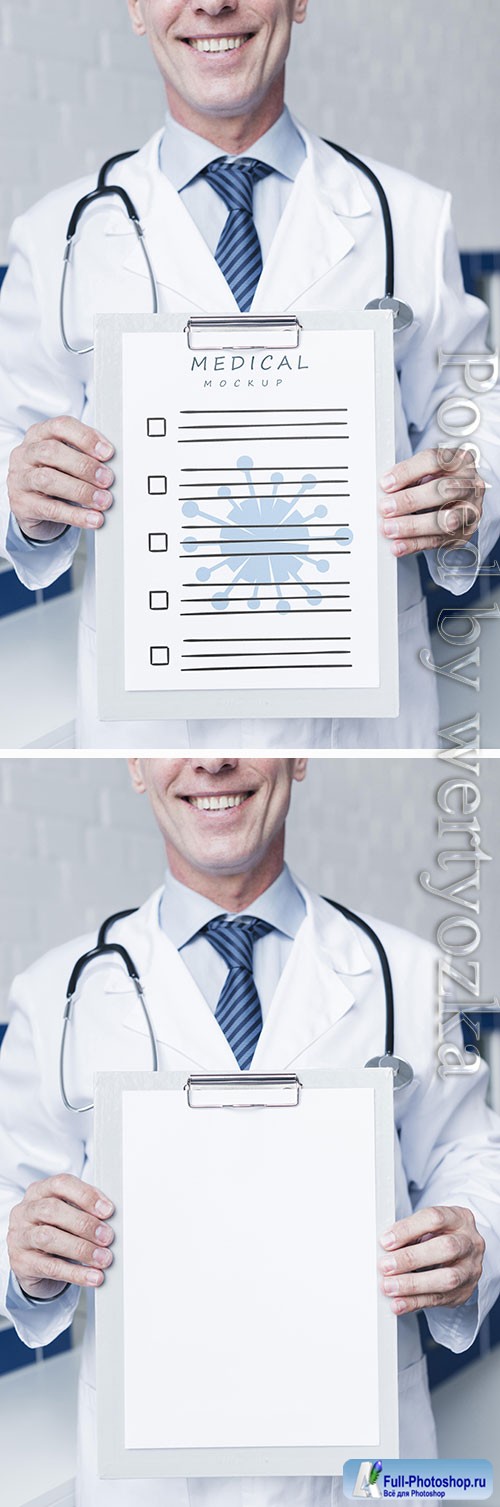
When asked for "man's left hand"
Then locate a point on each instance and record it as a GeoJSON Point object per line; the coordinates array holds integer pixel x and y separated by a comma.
{"type": "Point", "coordinates": [434, 498]}
{"type": "Point", "coordinates": [432, 1258]}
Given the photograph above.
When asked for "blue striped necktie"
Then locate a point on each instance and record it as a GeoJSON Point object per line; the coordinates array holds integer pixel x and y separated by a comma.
{"type": "Point", "coordinates": [238, 252]}
{"type": "Point", "coordinates": [238, 1009]}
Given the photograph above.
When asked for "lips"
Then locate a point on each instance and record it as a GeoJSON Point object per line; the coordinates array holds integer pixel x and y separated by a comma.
{"type": "Point", "coordinates": [217, 44]}
{"type": "Point", "coordinates": [222, 802]}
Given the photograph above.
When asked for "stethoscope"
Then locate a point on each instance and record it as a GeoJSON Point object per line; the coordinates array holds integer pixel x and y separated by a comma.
{"type": "Point", "coordinates": [402, 312]}
{"type": "Point", "coordinates": [401, 1070]}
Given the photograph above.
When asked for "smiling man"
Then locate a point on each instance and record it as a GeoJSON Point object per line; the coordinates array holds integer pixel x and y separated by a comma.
{"type": "Point", "coordinates": [242, 208]}
{"type": "Point", "coordinates": [243, 967]}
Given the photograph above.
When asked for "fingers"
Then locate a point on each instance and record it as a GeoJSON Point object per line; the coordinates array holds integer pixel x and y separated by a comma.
{"type": "Point", "coordinates": [72, 1190]}
{"type": "Point", "coordinates": [59, 1232]}
{"type": "Point", "coordinates": [72, 432]}
{"type": "Point", "coordinates": [58, 478]}
{"type": "Point", "coordinates": [64, 1216]}
{"type": "Point", "coordinates": [434, 1252]}
{"type": "Point", "coordinates": [427, 463]}
{"type": "Point", "coordinates": [33, 1267]}
{"type": "Point", "coordinates": [433, 498]}
{"type": "Point", "coordinates": [435, 1258]}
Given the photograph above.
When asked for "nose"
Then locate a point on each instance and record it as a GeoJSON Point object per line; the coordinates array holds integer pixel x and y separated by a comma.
{"type": "Point", "coordinates": [213, 766]}
{"type": "Point", "coordinates": [214, 7]}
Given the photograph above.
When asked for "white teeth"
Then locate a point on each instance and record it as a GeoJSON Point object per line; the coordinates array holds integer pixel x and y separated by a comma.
{"type": "Point", "coordinates": [216, 44]}
{"type": "Point", "coordinates": [216, 802]}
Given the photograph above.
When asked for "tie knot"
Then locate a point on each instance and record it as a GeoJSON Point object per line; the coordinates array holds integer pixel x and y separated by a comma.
{"type": "Point", "coordinates": [234, 181]}
{"type": "Point", "coordinates": [234, 939]}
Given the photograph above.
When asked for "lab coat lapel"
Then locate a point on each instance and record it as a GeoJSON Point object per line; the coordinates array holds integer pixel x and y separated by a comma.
{"type": "Point", "coordinates": [181, 1018]}
{"type": "Point", "coordinates": [317, 986]}
{"type": "Point", "coordinates": [312, 236]}
{"type": "Point", "coordinates": [179, 255]}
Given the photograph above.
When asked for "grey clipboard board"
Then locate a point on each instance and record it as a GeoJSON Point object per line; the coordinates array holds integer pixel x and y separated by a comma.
{"type": "Point", "coordinates": [285, 1096]}
{"type": "Point", "coordinates": [295, 700]}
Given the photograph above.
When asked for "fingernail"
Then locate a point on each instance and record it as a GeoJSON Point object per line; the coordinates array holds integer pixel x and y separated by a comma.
{"type": "Point", "coordinates": [93, 520]}
{"type": "Point", "coordinates": [388, 481]}
{"type": "Point", "coordinates": [103, 449]}
{"type": "Point", "coordinates": [391, 530]}
{"type": "Point", "coordinates": [94, 1278]}
{"type": "Point", "coordinates": [390, 1264]}
{"type": "Point", "coordinates": [388, 1239]}
{"type": "Point", "coordinates": [399, 548]}
{"type": "Point", "coordinates": [451, 522]}
{"type": "Point", "coordinates": [398, 1305]}
{"type": "Point", "coordinates": [391, 1285]}
{"type": "Point", "coordinates": [103, 1207]}
{"type": "Point", "coordinates": [103, 1234]}
{"type": "Point", "coordinates": [102, 498]}
{"type": "Point", "coordinates": [389, 506]}
{"type": "Point", "coordinates": [104, 475]}
{"type": "Point", "coordinates": [103, 1258]}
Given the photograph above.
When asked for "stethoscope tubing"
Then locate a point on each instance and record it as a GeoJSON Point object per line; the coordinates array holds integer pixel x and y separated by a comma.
{"type": "Point", "coordinates": [402, 313]}
{"type": "Point", "coordinates": [402, 1072]}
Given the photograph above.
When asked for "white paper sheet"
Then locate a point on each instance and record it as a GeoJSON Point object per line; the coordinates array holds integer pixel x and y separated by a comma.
{"type": "Point", "coordinates": [250, 1286]}
{"type": "Point", "coordinates": [250, 519]}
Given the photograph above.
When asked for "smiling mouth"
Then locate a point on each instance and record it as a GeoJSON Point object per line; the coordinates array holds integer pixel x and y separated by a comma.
{"type": "Point", "coordinates": [217, 44]}
{"type": "Point", "coordinates": [217, 802]}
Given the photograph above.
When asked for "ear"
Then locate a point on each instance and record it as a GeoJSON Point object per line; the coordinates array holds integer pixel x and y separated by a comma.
{"type": "Point", "coordinates": [135, 9]}
{"type": "Point", "coordinates": [136, 776]}
{"type": "Point", "coordinates": [300, 10]}
{"type": "Point", "coordinates": [299, 769]}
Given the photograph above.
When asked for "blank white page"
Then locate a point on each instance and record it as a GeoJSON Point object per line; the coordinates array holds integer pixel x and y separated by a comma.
{"type": "Point", "coordinates": [250, 1278]}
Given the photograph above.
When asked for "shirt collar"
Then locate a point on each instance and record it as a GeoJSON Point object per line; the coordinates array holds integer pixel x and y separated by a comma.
{"type": "Point", "coordinates": [183, 155]}
{"type": "Point", "coordinates": [183, 912]}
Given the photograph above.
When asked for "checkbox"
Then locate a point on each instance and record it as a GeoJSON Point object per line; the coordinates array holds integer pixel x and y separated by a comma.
{"type": "Point", "coordinates": [158, 542]}
{"type": "Point", "coordinates": [159, 654]}
{"type": "Point", "coordinates": [157, 485]}
{"type": "Point", "coordinates": [157, 428]}
{"type": "Point", "coordinates": [158, 600]}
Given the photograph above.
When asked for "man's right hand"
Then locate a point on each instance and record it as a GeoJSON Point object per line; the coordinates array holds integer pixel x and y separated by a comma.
{"type": "Point", "coordinates": [58, 476]}
{"type": "Point", "coordinates": [59, 1234]}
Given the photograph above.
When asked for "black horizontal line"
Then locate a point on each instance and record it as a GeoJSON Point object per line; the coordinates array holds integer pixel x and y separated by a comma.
{"type": "Point", "coordinates": [338, 638]}
{"type": "Point", "coordinates": [259, 439]}
{"type": "Point", "coordinates": [264, 612]}
{"type": "Point", "coordinates": [260, 654]}
{"type": "Point", "coordinates": [228, 523]}
{"type": "Point", "coordinates": [263, 410]}
{"type": "Point", "coordinates": [204, 669]}
{"type": "Point", "coordinates": [256, 553]}
{"type": "Point", "coordinates": [242, 546]}
{"type": "Point", "coordinates": [237, 469]}
{"type": "Point", "coordinates": [333, 596]}
{"type": "Point", "coordinates": [263, 496]}
{"type": "Point", "coordinates": [294, 424]}
{"type": "Point", "coordinates": [200, 585]}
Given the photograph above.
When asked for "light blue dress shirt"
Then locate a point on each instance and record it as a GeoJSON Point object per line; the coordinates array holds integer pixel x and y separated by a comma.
{"type": "Point", "coordinates": [183, 155]}
{"type": "Point", "coordinates": [183, 912]}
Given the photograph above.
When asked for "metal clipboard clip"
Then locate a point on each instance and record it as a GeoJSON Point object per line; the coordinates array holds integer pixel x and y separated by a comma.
{"type": "Point", "coordinates": [243, 1091]}
{"type": "Point", "coordinates": [253, 332]}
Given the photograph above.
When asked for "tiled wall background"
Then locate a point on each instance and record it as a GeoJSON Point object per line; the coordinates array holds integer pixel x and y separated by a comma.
{"type": "Point", "coordinates": [77, 844]}
{"type": "Point", "coordinates": [412, 84]}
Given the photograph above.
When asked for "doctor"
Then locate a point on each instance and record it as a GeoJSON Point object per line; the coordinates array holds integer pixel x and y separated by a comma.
{"type": "Point", "coordinates": [315, 236]}
{"type": "Point", "coordinates": [241, 964]}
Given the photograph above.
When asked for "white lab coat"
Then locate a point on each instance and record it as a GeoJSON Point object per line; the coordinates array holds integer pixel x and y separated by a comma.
{"type": "Point", "coordinates": [328, 1011]}
{"type": "Point", "coordinates": [328, 253]}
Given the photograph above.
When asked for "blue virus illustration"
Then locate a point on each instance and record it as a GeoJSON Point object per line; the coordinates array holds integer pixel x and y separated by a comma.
{"type": "Point", "coordinates": [264, 540]}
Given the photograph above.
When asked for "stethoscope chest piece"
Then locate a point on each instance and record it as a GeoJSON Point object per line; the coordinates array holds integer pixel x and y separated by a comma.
{"type": "Point", "coordinates": [402, 1072]}
{"type": "Point", "coordinates": [402, 312]}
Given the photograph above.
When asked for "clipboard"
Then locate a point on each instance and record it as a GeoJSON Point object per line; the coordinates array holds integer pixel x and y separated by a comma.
{"type": "Point", "coordinates": [254, 1339]}
{"type": "Point", "coordinates": [241, 571]}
